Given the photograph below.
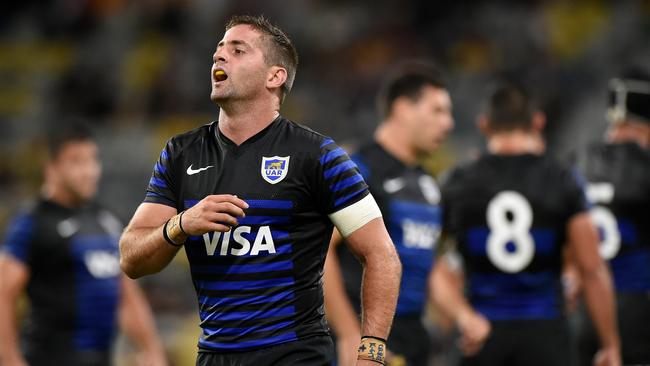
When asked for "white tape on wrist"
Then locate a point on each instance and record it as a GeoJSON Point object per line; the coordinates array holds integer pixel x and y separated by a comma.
{"type": "Point", "coordinates": [349, 219]}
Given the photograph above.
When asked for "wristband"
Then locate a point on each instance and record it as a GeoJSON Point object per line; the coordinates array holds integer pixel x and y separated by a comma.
{"type": "Point", "coordinates": [180, 223]}
{"type": "Point", "coordinates": [372, 349]}
{"type": "Point", "coordinates": [172, 232]}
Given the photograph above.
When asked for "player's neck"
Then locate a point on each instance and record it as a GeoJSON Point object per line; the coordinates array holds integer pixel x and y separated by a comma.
{"type": "Point", "coordinates": [516, 143]}
{"type": "Point", "coordinates": [61, 196]}
{"type": "Point", "coordinates": [241, 121]}
{"type": "Point", "coordinates": [396, 142]}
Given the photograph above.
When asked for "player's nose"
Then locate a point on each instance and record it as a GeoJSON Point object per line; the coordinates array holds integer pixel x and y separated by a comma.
{"type": "Point", "coordinates": [218, 56]}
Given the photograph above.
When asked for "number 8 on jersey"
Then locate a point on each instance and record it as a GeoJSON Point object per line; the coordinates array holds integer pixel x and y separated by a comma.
{"type": "Point", "coordinates": [510, 246]}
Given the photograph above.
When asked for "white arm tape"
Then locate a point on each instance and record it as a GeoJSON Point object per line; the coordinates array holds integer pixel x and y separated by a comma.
{"type": "Point", "coordinates": [349, 219]}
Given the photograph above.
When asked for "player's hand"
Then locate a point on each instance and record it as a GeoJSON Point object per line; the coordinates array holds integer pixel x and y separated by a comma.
{"type": "Point", "coordinates": [13, 361]}
{"type": "Point", "coordinates": [608, 357]}
{"type": "Point", "coordinates": [346, 349]}
{"type": "Point", "coordinates": [213, 213]}
{"type": "Point", "coordinates": [474, 329]}
{"type": "Point", "coordinates": [571, 288]}
{"type": "Point", "coordinates": [151, 359]}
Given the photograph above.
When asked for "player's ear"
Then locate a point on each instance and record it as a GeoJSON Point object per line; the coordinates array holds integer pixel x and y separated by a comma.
{"type": "Point", "coordinates": [276, 77]}
{"type": "Point", "coordinates": [539, 121]}
{"type": "Point", "coordinates": [483, 125]}
{"type": "Point", "coordinates": [401, 106]}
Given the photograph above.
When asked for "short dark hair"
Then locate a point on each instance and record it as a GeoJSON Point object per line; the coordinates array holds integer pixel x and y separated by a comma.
{"type": "Point", "coordinates": [61, 134]}
{"type": "Point", "coordinates": [407, 80]}
{"type": "Point", "coordinates": [280, 51]}
{"type": "Point", "coordinates": [509, 108]}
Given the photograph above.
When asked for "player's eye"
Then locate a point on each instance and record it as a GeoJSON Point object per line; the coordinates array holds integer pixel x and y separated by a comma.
{"type": "Point", "coordinates": [237, 51]}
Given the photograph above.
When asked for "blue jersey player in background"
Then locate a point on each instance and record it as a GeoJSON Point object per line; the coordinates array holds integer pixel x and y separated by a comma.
{"type": "Point", "coordinates": [63, 253]}
{"type": "Point", "coordinates": [417, 117]}
{"type": "Point", "coordinates": [510, 213]}
{"type": "Point", "coordinates": [253, 198]}
{"type": "Point", "coordinates": [618, 184]}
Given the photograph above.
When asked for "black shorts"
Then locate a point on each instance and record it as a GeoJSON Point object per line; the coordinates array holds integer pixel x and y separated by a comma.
{"type": "Point", "coordinates": [409, 339]}
{"type": "Point", "coordinates": [66, 357]}
{"type": "Point", "coordinates": [525, 343]}
{"type": "Point", "coordinates": [316, 351]}
{"type": "Point", "coordinates": [633, 325]}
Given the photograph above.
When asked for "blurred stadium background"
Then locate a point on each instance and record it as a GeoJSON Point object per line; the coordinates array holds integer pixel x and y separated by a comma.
{"type": "Point", "coordinates": [139, 72]}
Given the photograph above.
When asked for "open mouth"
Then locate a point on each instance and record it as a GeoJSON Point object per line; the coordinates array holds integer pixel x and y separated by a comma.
{"type": "Point", "coordinates": [220, 75]}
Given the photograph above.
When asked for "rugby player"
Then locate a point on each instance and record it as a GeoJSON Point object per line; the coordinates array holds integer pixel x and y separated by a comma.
{"type": "Point", "coordinates": [253, 198]}
{"type": "Point", "coordinates": [417, 116]}
{"type": "Point", "coordinates": [510, 213]}
{"type": "Point", "coordinates": [618, 184]}
{"type": "Point", "coordinates": [63, 253]}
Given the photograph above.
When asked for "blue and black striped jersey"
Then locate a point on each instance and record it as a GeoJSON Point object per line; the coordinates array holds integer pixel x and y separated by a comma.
{"type": "Point", "coordinates": [409, 200]}
{"type": "Point", "coordinates": [509, 215]}
{"type": "Point", "coordinates": [260, 283]}
{"type": "Point", "coordinates": [618, 178]}
{"type": "Point", "coordinates": [74, 283]}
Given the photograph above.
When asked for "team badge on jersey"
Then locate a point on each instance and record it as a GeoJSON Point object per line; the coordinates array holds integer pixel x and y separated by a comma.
{"type": "Point", "coordinates": [274, 168]}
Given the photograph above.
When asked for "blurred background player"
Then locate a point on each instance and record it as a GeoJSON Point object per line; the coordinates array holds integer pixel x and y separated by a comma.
{"type": "Point", "coordinates": [417, 117]}
{"type": "Point", "coordinates": [63, 253]}
{"type": "Point", "coordinates": [618, 175]}
{"type": "Point", "coordinates": [510, 213]}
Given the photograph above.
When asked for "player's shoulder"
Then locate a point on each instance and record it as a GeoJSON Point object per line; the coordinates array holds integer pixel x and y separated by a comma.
{"type": "Point", "coordinates": [303, 136]}
{"type": "Point", "coordinates": [34, 208]}
{"type": "Point", "coordinates": [551, 170]}
{"type": "Point", "coordinates": [463, 171]}
{"type": "Point", "coordinates": [184, 140]}
{"type": "Point", "coordinates": [369, 150]}
{"type": "Point", "coordinates": [27, 215]}
{"type": "Point", "coordinates": [551, 162]}
{"type": "Point", "coordinates": [368, 158]}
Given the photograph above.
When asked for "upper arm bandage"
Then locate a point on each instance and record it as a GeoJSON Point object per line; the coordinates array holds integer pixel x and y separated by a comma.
{"type": "Point", "coordinates": [349, 219]}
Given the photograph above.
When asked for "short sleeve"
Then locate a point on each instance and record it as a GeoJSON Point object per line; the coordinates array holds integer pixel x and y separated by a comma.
{"type": "Point", "coordinates": [576, 196]}
{"type": "Point", "coordinates": [450, 190]}
{"type": "Point", "coordinates": [161, 188]}
{"type": "Point", "coordinates": [19, 238]}
{"type": "Point", "coordinates": [446, 192]}
{"type": "Point", "coordinates": [339, 182]}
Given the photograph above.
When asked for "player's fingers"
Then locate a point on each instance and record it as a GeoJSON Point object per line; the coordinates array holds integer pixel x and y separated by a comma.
{"type": "Point", "coordinates": [230, 208]}
{"type": "Point", "coordinates": [217, 198]}
{"type": "Point", "coordinates": [469, 347]}
{"type": "Point", "coordinates": [463, 346]}
{"type": "Point", "coordinates": [214, 226]}
{"type": "Point", "coordinates": [225, 207]}
{"type": "Point", "coordinates": [222, 218]}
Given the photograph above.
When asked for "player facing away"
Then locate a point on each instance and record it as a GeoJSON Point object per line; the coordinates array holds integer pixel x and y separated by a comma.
{"type": "Point", "coordinates": [618, 184]}
{"type": "Point", "coordinates": [63, 253]}
{"type": "Point", "coordinates": [253, 198]}
{"type": "Point", "coordinates": [417, 116]}
{"type": "Point", "coordinates": [510, 213]}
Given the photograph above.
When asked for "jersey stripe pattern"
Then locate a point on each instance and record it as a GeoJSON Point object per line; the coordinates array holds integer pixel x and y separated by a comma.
{"type": "Point", "coordinates": [74, 284]}
{"type": "Point", "coordinates": [508, 216]}
{"type": "Point", "coordinates": [259, 284]}
{"type": "Point", "coordinates": [19, 236]}
{"type": "Point", "coordinates": [238, 302]}
{"type": "Point", "coordinates": [96, 299]}
{"type": "Point", "coordinates": [341, 174]}
{"type": "Point", "coordinates": [413, 220]}
{"type": "Point", "coordinates": [619, 188]}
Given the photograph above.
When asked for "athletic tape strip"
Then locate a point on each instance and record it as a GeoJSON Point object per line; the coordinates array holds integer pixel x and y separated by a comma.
{"type": "Point", "coordinates": [372, 349]}
{"type": "Point", "coordinates": [349, 219]}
